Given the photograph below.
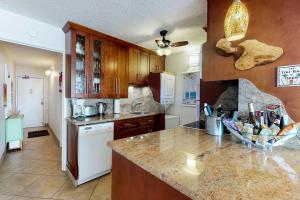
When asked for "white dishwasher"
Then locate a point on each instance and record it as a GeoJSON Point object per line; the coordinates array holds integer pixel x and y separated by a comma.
{"type": "Point", "coordinates": [94, 156]}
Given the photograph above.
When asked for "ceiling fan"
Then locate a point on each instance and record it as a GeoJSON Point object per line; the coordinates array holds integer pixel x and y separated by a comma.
{"type": "Point", "coordinates": [165, 45]}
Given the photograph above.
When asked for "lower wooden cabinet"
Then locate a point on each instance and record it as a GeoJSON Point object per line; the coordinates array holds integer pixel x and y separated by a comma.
{"type": "Point", "coordinates": [133, 127]}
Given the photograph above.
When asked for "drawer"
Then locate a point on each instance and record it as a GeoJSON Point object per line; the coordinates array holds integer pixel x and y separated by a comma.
{"type": "Point", "coordinates": [127, 124]}
{"type": "Point", "coordinates": [145, 121]}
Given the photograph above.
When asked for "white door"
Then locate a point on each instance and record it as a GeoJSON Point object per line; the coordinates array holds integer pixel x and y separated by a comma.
{"type": "Point", "coordinates": [30, 100]}
{"type": "Point", "coordinates": [167, 86]}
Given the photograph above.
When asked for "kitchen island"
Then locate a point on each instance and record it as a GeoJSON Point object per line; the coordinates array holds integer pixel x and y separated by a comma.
{"type": "Point", "coordinates": [184, 163]}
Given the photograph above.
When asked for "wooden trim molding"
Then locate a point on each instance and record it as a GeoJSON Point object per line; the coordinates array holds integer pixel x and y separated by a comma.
{"type": "Point", "coordinates": [2, 157]}
{"type": "Point", "coordinates": [72, 25]}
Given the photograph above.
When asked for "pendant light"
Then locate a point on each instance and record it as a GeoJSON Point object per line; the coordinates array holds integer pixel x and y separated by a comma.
{"type": "Point", "coordinates": [236, 21]}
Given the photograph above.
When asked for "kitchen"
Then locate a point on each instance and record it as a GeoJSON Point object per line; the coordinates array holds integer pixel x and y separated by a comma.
{"type": "Point", "coordinates": [117, 94]}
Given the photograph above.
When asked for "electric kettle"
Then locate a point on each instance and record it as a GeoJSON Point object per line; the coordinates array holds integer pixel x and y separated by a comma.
{"type": "Point", "coordinates": [101, 108]}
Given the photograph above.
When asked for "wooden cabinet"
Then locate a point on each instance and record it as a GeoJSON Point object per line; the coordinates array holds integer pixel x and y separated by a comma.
{"type": "Point", "coordinates": [160, 62]}
{"type": "Point", "coordinates": [122, 71]}
{"type": "Point", "coordinates": [132, 127]}
{"type": "Point", "coordinates": [95, 74]}
{"type": "Point", "coordinates": [134, 62]}
{"type": "Point", "coordinates": [156, 63]}
{"type": "Point", "coordinates": [144, 68]}
{"type": "Point", "coordinates": [79, 64]}
{"type": "Point", "coordinates": [139, 67]}
{"type": "Point", "coordinates": [98, 66]}
{"type": "Point", "coordinates": [109, 70]}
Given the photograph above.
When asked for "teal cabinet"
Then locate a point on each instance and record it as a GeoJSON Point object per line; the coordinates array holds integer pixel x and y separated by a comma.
{"type": "Point", "coordinates": [14, 128]}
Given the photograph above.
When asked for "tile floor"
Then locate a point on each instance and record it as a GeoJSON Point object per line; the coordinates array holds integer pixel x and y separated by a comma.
{"type": "Point", "coordinates": [35, 173]}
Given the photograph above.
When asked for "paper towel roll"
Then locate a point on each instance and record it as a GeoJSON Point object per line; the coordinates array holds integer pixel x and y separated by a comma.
{"type": "Point", "coordinates": [116, 106]}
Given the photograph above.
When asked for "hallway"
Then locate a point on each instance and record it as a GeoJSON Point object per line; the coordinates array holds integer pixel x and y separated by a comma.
{"type": "Point", "coordinates": [35, 173]}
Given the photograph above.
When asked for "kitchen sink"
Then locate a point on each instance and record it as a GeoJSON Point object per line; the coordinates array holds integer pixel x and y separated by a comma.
{"type": "Point", "coordinates": [140, 112]}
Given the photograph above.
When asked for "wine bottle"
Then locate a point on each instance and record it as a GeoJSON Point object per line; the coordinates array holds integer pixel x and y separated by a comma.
{"type": "Point", "coordinates": [252, 119]}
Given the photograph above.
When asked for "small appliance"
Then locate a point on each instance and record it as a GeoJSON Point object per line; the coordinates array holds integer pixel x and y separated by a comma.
{"type": "Point", "coordinates": [102, 107]}
{"type": "Point", "coordinates": [90, 110]}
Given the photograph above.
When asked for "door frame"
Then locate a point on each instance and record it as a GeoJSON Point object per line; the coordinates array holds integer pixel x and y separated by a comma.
{"type": "Point", "coordinates": [17, 89]}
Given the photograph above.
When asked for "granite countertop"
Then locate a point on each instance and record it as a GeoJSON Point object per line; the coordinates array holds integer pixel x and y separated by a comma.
{"type": "Point", "coordinates": [107, 118]}
{"type": "Point", "coordinates": [208, 167]}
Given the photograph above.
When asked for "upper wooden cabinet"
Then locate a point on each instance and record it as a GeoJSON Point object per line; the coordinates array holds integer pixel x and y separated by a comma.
{"type": "Point", "coordinates": [139, 66]}
{"type": "Point", "coordinates": [79, 64]}
{"type": "Point", "coordinates": [122, 71]}
{"type": "Point", "coordinates": [134, 62]}
{"type": "Point", "coordinates": [101, 66]}
{"type": "Point", "coordinates": [157, 63]}
{"type": "Point", "coordinates": [97, 67]}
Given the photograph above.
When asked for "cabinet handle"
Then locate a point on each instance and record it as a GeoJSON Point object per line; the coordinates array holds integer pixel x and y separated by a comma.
{"type": "Point", "coordinates": [119, 86]}
{"type": "Point", "coordinates": [86, 84]}
{"type": "Point", "coordinates": [116, 87]}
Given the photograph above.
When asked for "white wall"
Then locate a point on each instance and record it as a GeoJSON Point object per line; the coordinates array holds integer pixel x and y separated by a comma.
{"type": "Point", "coordinates": [55, 102]}
{"type": "Point", "coordinates": [36, 72]}
{"type": "Point", "coordinates": [176, 64]}
{"type": "Point", "coordinates": [4, 59]}
{"type": "Point", "coordinates": [27, 31]}
{"type": "Point", "coordinates": [24, 30]}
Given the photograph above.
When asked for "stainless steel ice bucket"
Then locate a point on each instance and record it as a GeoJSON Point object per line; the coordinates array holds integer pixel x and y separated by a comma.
{"type": "Point", "coordinates": [214, 126]}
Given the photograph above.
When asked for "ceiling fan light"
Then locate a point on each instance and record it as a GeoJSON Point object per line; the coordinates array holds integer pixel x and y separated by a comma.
{"type": "Point", "coordinates": [164, 51]}
{"type": "Point", "coordinates": [168, 51]}
{"type": "Point", "coordinates": [236, 21]}
{"type": "Point", "coordinates": [159, 52]}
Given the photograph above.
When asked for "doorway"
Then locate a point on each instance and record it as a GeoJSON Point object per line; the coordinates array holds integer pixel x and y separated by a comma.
{"type": "Point", "coordinates": [30, 100]}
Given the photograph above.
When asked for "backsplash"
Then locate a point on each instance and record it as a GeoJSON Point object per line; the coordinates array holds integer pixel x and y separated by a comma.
{"type": "Point", "coordinates": [249, 93]}
{"type": "Point", "coordinates": [137, 94]}
{"type": "Point", "coordinates": [228, 99]}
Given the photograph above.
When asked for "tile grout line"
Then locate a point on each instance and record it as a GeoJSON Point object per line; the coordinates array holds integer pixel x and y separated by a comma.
{"type": "Point", "coordinates": [94, 190]}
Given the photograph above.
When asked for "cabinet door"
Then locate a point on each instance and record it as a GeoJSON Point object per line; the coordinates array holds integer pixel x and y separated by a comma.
{"type": "Point", "coordinates": [109, 70]}
{"type": "Point", "coordinates": [122, 72]}
{"type": "Point", "coordinates": [95, 72]}
{"type": "Point", "coordinates": [144, 68]}
{"type": "Point", "coordinates": [134, 61]}
{"type": "Point", "coordinates": [152, 63]}
{"type": "Point", "coordinates": [80, 63]}
{"type": "Point", "coordinates": [160, 63]}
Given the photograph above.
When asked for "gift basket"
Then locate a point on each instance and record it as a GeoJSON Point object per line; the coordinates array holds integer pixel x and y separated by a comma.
{"type": "Point", "coordinates": [262, 129]}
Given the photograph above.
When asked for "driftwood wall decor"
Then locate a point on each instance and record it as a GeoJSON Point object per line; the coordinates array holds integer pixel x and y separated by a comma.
{"type": "Point", "coordinates": [249, 53]}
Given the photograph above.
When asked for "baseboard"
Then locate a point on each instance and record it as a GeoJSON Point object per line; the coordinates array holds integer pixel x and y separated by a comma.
{"type": "Point", "coordinates": [56, 139]}
{"type": "Point", "coordinates": [2, 157]}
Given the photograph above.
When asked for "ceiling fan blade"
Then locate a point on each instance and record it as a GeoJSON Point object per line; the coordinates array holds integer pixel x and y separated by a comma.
{"type": "Point", "coordinates": [179, 44]}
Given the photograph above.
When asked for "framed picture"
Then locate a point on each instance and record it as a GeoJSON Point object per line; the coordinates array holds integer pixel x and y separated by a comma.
{"type": "Point", "coordinates": [288, 76]}
{"type": "Point", "coordinates": [4, 94]}
{"type": "Point", "coordinates": [190, 84]}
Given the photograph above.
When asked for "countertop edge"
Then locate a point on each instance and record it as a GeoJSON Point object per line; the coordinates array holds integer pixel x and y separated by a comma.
{"type": "Point", "coordinates": [182, 189]}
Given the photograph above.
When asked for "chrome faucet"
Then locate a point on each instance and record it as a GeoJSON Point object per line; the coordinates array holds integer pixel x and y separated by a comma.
{"type": "Point", "coordinates": [134, 106]}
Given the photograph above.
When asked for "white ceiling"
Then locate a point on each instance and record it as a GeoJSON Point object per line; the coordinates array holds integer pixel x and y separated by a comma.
{"type": "Point", "coordinates": [25, 56]}
{"type": "Point", "coordinates": [136, 21]}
